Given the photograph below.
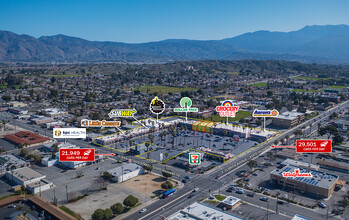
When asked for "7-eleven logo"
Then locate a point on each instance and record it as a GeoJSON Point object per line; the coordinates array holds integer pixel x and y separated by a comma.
{"type": "Point", "coordinates": [194, 158]}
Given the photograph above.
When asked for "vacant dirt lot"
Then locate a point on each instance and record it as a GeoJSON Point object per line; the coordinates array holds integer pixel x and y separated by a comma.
{"type": "Point", "coordinates": [143, 187]}
{"type": "Point", "coordinates": [148, 184]}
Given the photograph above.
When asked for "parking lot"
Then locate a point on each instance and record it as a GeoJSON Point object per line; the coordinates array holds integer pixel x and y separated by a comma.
{"type": "Point", "coordinates": [185, 140]}
{"type": "Point", "coordinates": [260, 181]}
{"type": "Point", "coordinates": [62, 178]}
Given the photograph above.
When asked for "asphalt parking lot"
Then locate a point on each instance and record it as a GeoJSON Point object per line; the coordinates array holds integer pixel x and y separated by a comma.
{"type": "Point", "coordinates": [7, 146]}
{"type": "Point", "coordinates": [78, 186]}
{"type": "Point", "coordinates": [189, 140]}
{"type": "Point", "coordinates": [5, 186]}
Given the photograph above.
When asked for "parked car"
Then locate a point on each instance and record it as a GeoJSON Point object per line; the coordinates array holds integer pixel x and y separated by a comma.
{"type": "Point", "coordinates": [143, 210]}
{"type": "Point", "coordinates": [240, 191]}
{"type": "Point", "coordinates": [264, 199]}
{"type": "Point", "coordinates": [196, 189]}
{"type": "Point", "coordinates": [322, 205]}
{"type": "Point", "coordinates": [250, 194]}
{"type": "Point", "coordinates": [280, 202]}
{"type": "Point", "coordinates": [188, 177]}
{"type": "Point", "coordinates": [255, 174]}
{"type": "Point", "coordinates": [11, 206]}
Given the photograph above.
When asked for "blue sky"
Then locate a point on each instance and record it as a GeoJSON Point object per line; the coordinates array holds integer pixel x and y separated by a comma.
{"type": "Point", "coordinates": [153, 20]}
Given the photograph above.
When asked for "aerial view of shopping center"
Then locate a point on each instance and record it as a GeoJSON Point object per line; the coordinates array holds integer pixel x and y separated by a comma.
{"type": "Point", "coordinates": [178, 110]}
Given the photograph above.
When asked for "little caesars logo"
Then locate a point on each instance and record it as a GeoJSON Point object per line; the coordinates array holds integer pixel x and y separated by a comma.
{"type": "Point", "coordinates": [122, 113]}
{"type": "Point", "coordinates": [97, 123]}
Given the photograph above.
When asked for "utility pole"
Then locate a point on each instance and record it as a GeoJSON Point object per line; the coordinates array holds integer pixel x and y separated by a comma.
{"type": "Point", "coordinates": [66, 191]}
{"type": "Point", "coordinates": [267, 210]}
{"type": "Point", "coordinates": [277, 203]}
{"type": "Point", "coordinates": [327, 212]}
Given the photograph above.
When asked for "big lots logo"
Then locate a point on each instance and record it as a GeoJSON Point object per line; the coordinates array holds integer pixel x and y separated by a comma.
{"type": "Point", "coordinates": [295, 174]}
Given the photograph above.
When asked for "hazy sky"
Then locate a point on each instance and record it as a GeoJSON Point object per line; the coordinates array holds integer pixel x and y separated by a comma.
{"type": "Point", "coordinates": [152, 20]}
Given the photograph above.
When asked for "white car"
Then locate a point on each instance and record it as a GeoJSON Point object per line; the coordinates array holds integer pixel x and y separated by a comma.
{"type": "Point", "coordinates": [196, 189]}
{"type": "Point", "coordinates": [143, 210]}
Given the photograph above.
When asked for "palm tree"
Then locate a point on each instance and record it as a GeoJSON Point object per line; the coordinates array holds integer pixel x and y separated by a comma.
{"type": "Point", "coordinates": [130, 142]}
{"type": "Point", "coordinates": [147, 146]}
{"type": "Point", "coordinates": [271, 156]}
{"type": "Point", "coordinates": [225, 132]}
{"type": "Point", "coordinates": [251, 164]}
{"type": "Point", "coordinates": [4, 122]}
{"type": "Point", "coordinates": [287, 137]}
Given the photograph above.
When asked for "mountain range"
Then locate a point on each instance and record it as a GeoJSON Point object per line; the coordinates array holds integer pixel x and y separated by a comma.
{"type": "Point", "coordinates": [317, 43]}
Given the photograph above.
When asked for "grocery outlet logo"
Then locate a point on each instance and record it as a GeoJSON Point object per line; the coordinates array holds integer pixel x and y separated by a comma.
{"type": "Point", "coordinates": [227, 109]}
{"type": "Point", "coordinates": [295, 174]}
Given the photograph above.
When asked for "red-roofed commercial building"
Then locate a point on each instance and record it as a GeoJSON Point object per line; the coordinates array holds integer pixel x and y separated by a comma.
{"type": "Point", "coordinates": [28, 137]}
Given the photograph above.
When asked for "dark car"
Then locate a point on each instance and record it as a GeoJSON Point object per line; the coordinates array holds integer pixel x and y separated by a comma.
{"type": "Point", "coordinates": [184, 181]}
{"type": "Point", "coordinates": [264, 199]}
{"type": "Point", "coordinates": [250, 194]}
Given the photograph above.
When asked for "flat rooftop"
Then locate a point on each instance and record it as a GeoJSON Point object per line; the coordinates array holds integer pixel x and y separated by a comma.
{"type": "Point", "coordinates": [290, 115]}
{"type": "Point", "coordinates": [319, 179]}
{"type": "Point", "coordinates": [300, 164]}
{"type": "Point", "coordinates": [11, 159]}
{"type": "Point", "coordinates": [124, 169]}
{"type": "Point", "coordinates": [231, 200]}
{"type": "Point", "coordinates": [201, 211]}
{"type": "Point", "coordinates": [26, 174]}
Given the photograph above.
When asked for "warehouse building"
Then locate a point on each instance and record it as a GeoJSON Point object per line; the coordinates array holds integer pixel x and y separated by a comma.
{"type": "Point", "coordinates": [201, 211]}
{"type": "Point", "coordinates": [320, 183]}
{"type": "Point", "coordinates": [10, 161]}
{"type": "Point", "coordinates": [33, 181]}
{"type": "Point", "coordinates": [125, 172]}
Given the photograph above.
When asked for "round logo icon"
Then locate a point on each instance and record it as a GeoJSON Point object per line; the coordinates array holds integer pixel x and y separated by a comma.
{"type": "Point", "coordinates": [274, 113]}
{"type": "Point", "coordinates": [84, 122]}
{"type": "Point", "coordinates": [157, 106]}
{"type": "Point", "coordinates": [185, 102]}
{"type": "Point", "coordinates": [58, 133]}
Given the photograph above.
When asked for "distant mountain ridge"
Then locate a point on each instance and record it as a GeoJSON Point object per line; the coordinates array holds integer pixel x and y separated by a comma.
{"type": "Point", "coordinates": [323, 44]}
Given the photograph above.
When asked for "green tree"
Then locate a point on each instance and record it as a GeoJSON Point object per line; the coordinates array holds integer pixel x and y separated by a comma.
{"type": "Point", "coordinates": [148, 167]}
{"type": "Point", "coordinates": [130, 201]}
{"type": "Point", "coordinates": [108, 214]}
{"type": "Point", "coordinates": [167, 174]}
{"type": "Point", "coordinates": [107, 176]}
{"type": "Point", "coordinates": [6, 98]}
{"type": "Point", "coordinates": [337, 139]}
{"type": "Point", "coordinates": [147, 144]}
{"type": "Point", "coordinates": [98, 214]}
{"type": "Point", "coordinates": [167, 185]}
{"type": "Point", "coordinates": [251, 164]}
{"type": "Point", "coordinates": [117, 208]}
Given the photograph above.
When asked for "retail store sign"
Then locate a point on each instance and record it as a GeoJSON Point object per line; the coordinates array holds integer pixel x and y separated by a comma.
{"type": "Point", "coordinates": [115, 113]}
{"type": "Point", "coordinates": [227, 109]}
{"type": "Point", "coordinates": [186, 104]}
{"type": "Point", "coordinates": [265, 113]}
{"type": "Point", "coordinates": [194, 158]}
{"type": "Point", "coordinates": [69, 132]}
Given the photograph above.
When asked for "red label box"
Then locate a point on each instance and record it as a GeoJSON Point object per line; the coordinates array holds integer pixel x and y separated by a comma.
{"type": "Point", "coordinates": [314, 146]}
{"type": "Point", "coordinates": [87, 154]}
